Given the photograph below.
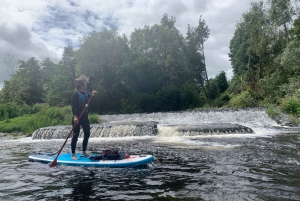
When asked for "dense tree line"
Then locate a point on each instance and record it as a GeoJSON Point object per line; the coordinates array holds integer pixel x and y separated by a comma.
{"type": "Point", "coordinates": [264, 53]}
{"type": "Point", "coordinates": [156, 69]}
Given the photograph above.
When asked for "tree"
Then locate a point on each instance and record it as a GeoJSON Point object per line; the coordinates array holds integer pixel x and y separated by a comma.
{"type": "Point", "coordinates": [281, 13]}
{"type": "Point", "coordinates": [61, 79]}
{"type": "Point", "coordinates": [67, 64]}
{"type": "Point", "coordinates": [156, 66]}
{"type": "Point", "coordinates": [47, 72]}
{"type": "Point", "coordinates": [195, 53]}
{"type": "Point", "coordinates": [163, 45]}
{"type": "Point", "coordinates": [30, 71]}
{"type": "Point", "coordinates": [100, 56]}
{"type": "Point", "coordinates": [26, 84]}
{"type": "Point", "coordinates": [296, 28]}
{"type": "Point", "coordinates": [290, 58]}
{"type": "Point", "coordinates": [14, 90]}
{"type": "Point", "coordinates": [222, 82]}
{"type": "Point", "coordinates": [262, 51]}
{"type": "Point", "coordinates": [250, 46]}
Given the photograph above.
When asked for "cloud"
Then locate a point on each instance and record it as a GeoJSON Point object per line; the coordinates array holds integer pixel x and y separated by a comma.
{"type": "Point", "coordinates": [20, 43]}
{"type": "Point", "coordinates": [17, 39]}
{"type": "Point", "coordinates": [43, 28]}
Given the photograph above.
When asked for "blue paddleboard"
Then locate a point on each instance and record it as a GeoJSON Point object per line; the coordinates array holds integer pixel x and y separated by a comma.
{"type": "Point", "coordinates": [66, 159]}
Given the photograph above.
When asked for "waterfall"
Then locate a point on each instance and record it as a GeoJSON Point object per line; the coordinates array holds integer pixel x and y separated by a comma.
{"type": "Point", "coordinates": [112, 129]}
{"type": "Point", "coordinates": [186, 123]}
{"type": "Point", "coordinates": [250, 117]}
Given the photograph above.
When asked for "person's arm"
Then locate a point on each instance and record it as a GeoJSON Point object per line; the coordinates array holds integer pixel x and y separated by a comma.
{"type": "Point", "coordinates": [74, 105]}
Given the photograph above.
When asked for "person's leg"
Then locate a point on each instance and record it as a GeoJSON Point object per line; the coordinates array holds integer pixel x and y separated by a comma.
{"type": "Point", "coordinates": [76, 132]}
{"type": "Point", "coordinates": [86, 129]}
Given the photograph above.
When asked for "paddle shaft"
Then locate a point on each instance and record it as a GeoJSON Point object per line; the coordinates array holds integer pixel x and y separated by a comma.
{"type": "Point", "coordinates": [75, 124]}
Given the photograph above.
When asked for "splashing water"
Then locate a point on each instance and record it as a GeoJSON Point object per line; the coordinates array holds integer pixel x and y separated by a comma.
{"type": "Point", "coordinates": [263, 165]}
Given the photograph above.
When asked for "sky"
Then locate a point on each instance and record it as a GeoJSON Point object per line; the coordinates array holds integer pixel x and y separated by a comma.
{"type": "Point", "coordinates": [42, 28]}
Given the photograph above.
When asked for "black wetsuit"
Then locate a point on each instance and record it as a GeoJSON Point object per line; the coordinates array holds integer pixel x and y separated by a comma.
{"type": "Point", "coordinates": [78, 103]}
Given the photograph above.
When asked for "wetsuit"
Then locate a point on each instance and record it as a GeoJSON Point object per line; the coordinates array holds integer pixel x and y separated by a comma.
{"type": "Point", "coordinates": [78, 101]}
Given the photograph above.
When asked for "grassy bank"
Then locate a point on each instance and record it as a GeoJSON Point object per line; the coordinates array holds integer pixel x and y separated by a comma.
{"type": "Point", "coordinates": [25, 120]}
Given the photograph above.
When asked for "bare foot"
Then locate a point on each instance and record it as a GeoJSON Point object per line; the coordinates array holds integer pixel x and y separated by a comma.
{"type": "Point", "coordinates": [85, 154]}
{"type": "Point", "coordinates": [74, 157]}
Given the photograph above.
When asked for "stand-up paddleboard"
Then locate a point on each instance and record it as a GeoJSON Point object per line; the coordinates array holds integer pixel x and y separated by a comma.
{"type": "Point", "coordinates": [66, 159]}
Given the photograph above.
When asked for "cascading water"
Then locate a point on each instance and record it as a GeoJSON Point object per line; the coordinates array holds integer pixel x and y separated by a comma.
{"type": "Point", "coordinates": [187, 123]}
{"type": "Point", "coordinates": [199, 155]}
{"type": "Point", "coordinates": [253, 117]}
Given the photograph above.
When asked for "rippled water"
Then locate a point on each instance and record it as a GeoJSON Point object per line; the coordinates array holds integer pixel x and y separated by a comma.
{"type": "Point", "coordinates": [260, 166]}
{"type": "Point", "coordinates": [199, 168]}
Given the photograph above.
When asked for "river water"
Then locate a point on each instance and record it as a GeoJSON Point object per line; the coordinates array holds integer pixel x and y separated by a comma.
{"type": "Point", "coordinates": [259, 166]}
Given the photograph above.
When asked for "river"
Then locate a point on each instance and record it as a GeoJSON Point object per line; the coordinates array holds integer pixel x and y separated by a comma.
{"type": "Point", "coordinates": [263, 165]}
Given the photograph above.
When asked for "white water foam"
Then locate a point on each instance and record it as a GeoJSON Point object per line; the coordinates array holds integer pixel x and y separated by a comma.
{"type": "Point", "coordinates": [255, 117]}
{"type": "Point", "coordinates": [169, 122]}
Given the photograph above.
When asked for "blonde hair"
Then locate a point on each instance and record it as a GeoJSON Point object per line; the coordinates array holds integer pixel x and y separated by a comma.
{"type": "Point", "coordinates": [80, 81]}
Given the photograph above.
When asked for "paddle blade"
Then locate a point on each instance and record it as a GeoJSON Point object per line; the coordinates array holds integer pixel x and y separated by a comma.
{"type": "Point", "coordinates": [53, 163]}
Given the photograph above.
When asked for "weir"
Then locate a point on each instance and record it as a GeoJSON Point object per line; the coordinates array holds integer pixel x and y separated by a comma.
{"type": "Point", "coordinates": [133, 128]}
{"type": "Point", "coordinates": [108, 130]}
{"type": "Point", "coordinates": [186, 123]}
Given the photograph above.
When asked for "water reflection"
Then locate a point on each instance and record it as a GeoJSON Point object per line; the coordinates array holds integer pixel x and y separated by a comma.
{"type": "Point", "coordinates": [82, 186]}
{"type": "Point", "coordinates": [206, 168]}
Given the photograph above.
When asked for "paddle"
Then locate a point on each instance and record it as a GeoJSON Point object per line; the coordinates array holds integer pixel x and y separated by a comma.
{"type": "Point", "coordinates": [84, 109]}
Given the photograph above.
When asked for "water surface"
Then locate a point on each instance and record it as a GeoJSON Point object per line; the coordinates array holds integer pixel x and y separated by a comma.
{"type": "Point", "coordinates": [259, 166]}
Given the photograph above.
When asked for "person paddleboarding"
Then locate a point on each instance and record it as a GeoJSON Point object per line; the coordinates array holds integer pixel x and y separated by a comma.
{"type": "Point", "coordinates": [78, 101]}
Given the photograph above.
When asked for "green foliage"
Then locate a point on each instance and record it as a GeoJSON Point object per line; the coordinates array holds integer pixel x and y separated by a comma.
{"type": "Point", "coordinates": [273, 111]}
{"type": "Point", "coordinates": [160, 70]}
{"type": "Point", "coordinates": [268, 89]}
{"type": "Point", "coordinates": [189, 97]}
{"type": "Point", "coordinates": [12, 109]}
{"type": "Point", "coordinates": [217, 85]}
{"type": "Point", "coordinates": [238, 48]}
{"type": "Point", "coordinates": [296, 29]}
{"type": "Point", "coordinates": [244, 99]}
{"type": "Point", "coordinates": [15, 90]}
{"type": "Point", "coordinates": [297, 94]}
{"type": "Point", "coordinates": [222, 82]}
{"type": "Point", "coordinates": [42, 116]}
{"type": "Point", "coordinates": [290, 58]}
{"type": "Point", "coordinates": [128, 107]}
{"type": "Point", "coordinates": [169, 98]}
{"type": "Point", "coordinates": [249, 48]}
{"type": "Point", "coordinates": [291, 106]}
{"type": "Point", "coordinates": [264, 54]}
{"type": "Point", "coordinates": [194, 50]}
{"type": "Point", "coordinates": [281, 14]}
{"type": "Point", "coordinates": [29, 72]}
{"type": "Point", "coordinates": [146, 102]}
{"type": "Point", "coordinates": [221, 101]}
{"type": "Point", "coordinates": [94, 118]}
{"type": "Point", "coordinates": [159, 54]}
{"type": "Point", "coordinates": [100, 56]}
{"type": "Point", "coordinates": [292, 87]}
{"type": "Point", "coordinates": [59, 79]}
{"type": "Point", "coordinates": [139, 74]}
